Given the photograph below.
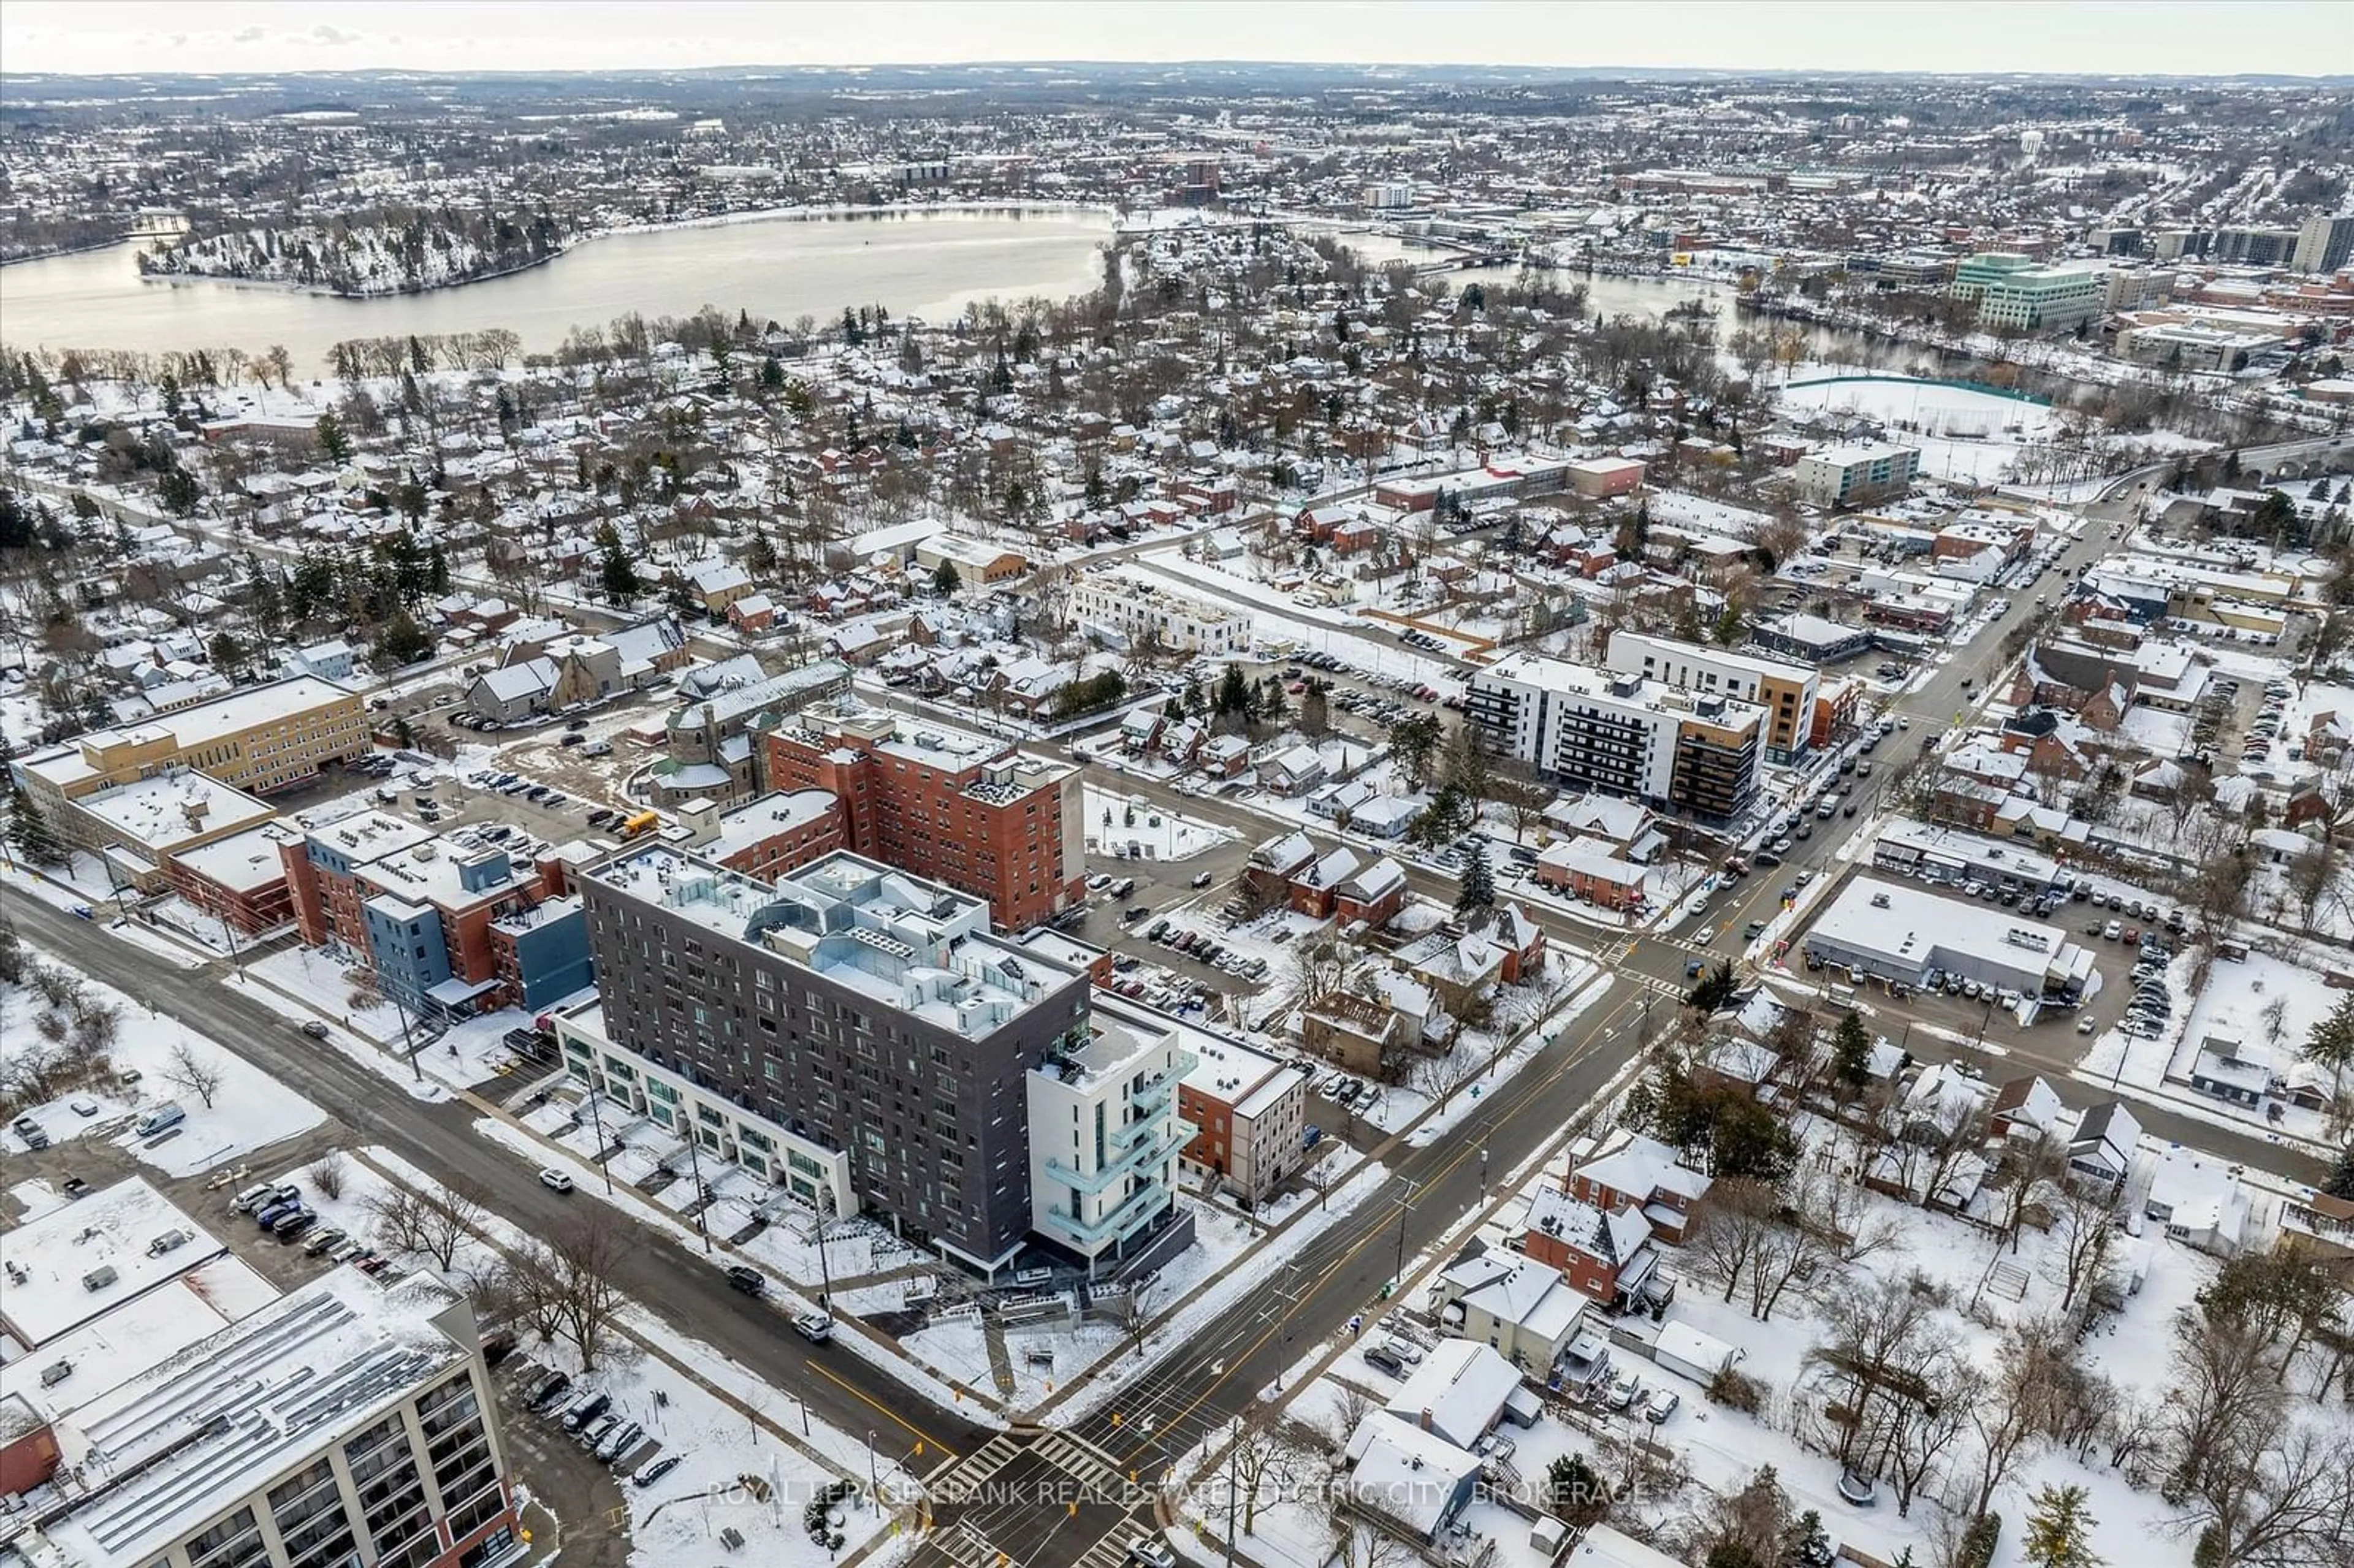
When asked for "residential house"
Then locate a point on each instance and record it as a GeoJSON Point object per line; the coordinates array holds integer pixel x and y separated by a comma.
{"type": "Point", "coordinates": [2101, 1146]}
{"type": "Point", "coordinates": [1594, 871]}
{"type": "Point", "coordinates": [1518, 1307]}
{"type": "Point", "coordinates": [1460, 1391]}
{"type": "Point", "coordinates": [1643, 1173]}
{"type": "Point", "coordinates": [1608, 1256]}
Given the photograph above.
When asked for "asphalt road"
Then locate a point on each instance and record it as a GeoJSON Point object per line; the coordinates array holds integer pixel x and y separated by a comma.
{"type": "Point", "coordinates": [684, 1291]}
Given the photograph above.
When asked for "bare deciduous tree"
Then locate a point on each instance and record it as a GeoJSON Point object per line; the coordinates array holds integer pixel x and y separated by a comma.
{"type": "Point", "coordinates": [193, 1071]}
{"type": "Point", "coordinates": [565, 1287]}
{"type": "Point", "coordinates": [434, 1222]}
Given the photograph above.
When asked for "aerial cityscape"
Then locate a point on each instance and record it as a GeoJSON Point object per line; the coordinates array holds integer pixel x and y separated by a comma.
{"type": "Point", "coordinates": [1021, 786]}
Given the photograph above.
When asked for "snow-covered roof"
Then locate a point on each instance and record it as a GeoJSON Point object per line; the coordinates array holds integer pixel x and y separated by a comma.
{"type": "Point", "coordinates": [1403, 1473]}
{"type": "Point", "coordinates": [1461, 1385]}
{"type": "Point", "coordinates": [52, 1259]}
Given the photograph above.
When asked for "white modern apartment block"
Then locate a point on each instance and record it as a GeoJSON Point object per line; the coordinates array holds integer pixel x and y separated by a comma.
{"type": "Point", "coordinates": [1125, 607]}
{"type": "Point", "coordinates": [1785, 689]}
{"type": "Point", "coordinates": [1849, 476]}
{"type": "Point", "coordinates": [1622, 734]}
{"type": "Point", "coordinates": [1105, 1136]}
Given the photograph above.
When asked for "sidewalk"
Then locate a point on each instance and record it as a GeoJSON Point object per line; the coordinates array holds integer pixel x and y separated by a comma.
{"type": "Point", "coordinates": [654, 1350]}
{"type": "Point", "coordinates": [1395, 1142]}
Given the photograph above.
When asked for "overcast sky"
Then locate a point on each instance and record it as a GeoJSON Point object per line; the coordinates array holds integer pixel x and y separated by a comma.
{"type": "Point", "coordinates": [2190, 37]}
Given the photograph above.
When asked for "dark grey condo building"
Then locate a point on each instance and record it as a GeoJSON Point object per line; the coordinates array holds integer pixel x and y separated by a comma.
{"type": "Point", "coordinates": [851, 1033]}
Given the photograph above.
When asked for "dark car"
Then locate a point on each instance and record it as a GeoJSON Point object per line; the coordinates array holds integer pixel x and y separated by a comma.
{"type": "Point", "coordinates": [747, 1279]}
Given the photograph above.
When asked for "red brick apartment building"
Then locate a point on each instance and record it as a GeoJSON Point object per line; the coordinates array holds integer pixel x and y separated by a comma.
{"type": "Point", "coordinates": [943, 803]}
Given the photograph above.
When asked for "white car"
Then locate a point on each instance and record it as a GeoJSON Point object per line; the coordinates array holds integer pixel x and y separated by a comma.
{"type": "Point", "coordinates": [1151, 1551]}
{"type": "Point", "coordinates": [555, 1181]}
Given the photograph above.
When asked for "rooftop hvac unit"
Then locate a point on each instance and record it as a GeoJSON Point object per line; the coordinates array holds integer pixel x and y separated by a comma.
{"type": "Point", "coordinates": [98, 1278]}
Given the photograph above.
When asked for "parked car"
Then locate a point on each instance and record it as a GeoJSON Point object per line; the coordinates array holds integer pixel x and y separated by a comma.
{"type": "Point", "coordinates": [1624, 1390]}
{"type": "Point", "coordinates": [1382, 1360]}
{"type": "Point", "coordinates": [620, 1441]}
{"type": "Point", "coordinates": [555, 1181]}
{"type": "Point", "coordinates": [655, 1470]}
{"type": "Point", "coordinates": [747, 1279]}
{"type": "Point", "coordinates": [1663, 1404]}
{"type": "Point", "coordinates": [814, 1327]}
{"type": "Point", "coordinates": [583, 1410]}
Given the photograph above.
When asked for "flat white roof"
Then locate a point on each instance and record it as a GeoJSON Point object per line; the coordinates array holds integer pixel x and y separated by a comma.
{"type": "Point", "coordinates": [230, 1414]}
{"type": "Point", "coordinates": [241, 862]}
{"type": "Point", "coordinates": [1908, 926]}
{"type": "Point", "coordinates": [159, 812]}
{"type": "Point", "coordinates": [49, 1259]}
{"type": "Point", "coordinates": [140, 1333]}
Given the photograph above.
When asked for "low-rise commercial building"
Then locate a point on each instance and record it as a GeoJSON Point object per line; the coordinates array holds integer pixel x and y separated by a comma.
{"type": "Point", "coordinates": [1889, 931]}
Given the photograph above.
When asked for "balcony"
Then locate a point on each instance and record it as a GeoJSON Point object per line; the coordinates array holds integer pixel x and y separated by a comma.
{"type": "Point", "coordinates": [1170, 1137]}
{"type": "Point", "coordinates": [1139, 1210]}
{"type": "Point", "coordinates": [1152, 1094]}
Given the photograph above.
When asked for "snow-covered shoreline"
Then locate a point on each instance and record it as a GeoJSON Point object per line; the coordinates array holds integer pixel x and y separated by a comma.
{"type": "Point", "coordinates": [837, 212]}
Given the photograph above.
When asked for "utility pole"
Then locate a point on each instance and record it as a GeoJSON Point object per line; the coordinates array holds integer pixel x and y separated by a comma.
{"type": "Point", "coordinates": [597, 1117]}
{"type": "Point", "coordinates": [1234, 1487]}
{"type": "Point", "coordinates": [1397, 1279]}
{"type": "Point", "coordinates": [1289, 1297]}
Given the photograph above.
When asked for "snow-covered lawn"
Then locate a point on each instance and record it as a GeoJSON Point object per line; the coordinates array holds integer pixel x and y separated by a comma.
{"type": "Point", "coordinates": [249, 1108]}
{"type": "Point", "coordinates": [1982, 1287]}
{"type": "Point", "coordinates": [1130, 826]}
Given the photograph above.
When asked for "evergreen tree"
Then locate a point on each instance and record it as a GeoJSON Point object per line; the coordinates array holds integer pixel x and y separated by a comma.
{"type": "Point", "coordinates": [2340, 1183]}
{"type": "Point", "coordinates": [402, 641]}
{"type": "Point", "coordinates": [437, 570]}
{"type": "Point", "coordinates": [1233, 693]}
{"type": "Point", "coordinates": [614, 572]}
{"type": "Point", "coordinates": [178, 489]}
{"type": "Point", "coordinates": [331, 438]}
{"type": "Point", "coordinates": [1854, 1048]}
{"type": "Point", "coordinates": [30, 833]}
{"type": "Point", "coordinates": [2059, 1530]}
{"type": "Point", "coordinates": [946, 579]}
{"type": "Point", "coordinates": [1575, 1492]}
{"type": "Point", "coordinates": [2331, 1044]}
{"type": "Point", "coordinates": [1479, 881]}
{"type": "Point", "coordinates": [1806, 1544]}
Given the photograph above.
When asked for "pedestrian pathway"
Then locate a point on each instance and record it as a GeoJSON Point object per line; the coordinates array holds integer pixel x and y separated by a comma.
{"type": "Point", "coordinates": [1000, 1360]}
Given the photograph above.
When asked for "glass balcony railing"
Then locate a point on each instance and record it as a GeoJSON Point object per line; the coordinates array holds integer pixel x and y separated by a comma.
{"type": "Point", "coordinates": [1132, 1216]}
